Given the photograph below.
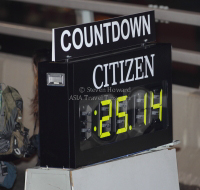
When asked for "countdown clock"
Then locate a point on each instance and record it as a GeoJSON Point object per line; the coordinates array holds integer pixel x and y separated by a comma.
{"type": "Point", "coordinates": [106, 106]}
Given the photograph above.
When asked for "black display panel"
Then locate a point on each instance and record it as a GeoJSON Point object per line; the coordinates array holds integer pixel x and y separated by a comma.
{"type": "Point", "coordinates": [106, 106]}
{"type": "Point", "coordinates": [107, 119]}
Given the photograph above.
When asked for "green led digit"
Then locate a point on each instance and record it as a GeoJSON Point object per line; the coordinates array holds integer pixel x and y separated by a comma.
{"type": "Point", "coordinates": [145, 108]}
{"type": "Point", "coordinates": [105, 118]}
{"type": "Point", "coordinates": [157, 106]}
{"type": "Point", "coordinates": [122, 114]}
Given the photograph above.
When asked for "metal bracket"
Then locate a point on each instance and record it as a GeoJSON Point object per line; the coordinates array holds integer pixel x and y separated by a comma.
{"type": "Point", "coordinates": [144, 44]}
{"type": "Point", "coordinates": [68, 57]}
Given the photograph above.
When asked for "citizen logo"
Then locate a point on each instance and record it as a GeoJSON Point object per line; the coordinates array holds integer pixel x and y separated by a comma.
{"type": "Point", "coordinates": [136, 69]}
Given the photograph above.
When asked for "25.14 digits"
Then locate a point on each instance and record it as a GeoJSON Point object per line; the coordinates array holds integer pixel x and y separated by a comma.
{"type": "Point", "coordinates": [137, 113]}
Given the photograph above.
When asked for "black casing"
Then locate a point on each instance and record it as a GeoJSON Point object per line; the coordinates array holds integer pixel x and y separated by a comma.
{"type": "Point", "coordinates": [59, 116]}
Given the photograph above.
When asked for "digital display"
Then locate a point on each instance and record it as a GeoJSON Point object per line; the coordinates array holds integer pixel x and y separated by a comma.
{"type": "Point", "coordinates": [105, 106]}
{"type": "Point", "coordinates": [108, 118]}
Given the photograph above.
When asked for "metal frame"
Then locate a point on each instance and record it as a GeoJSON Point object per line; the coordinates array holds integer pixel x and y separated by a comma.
{"type": "Point", "coordinates": [179, 55]}
{"type": "Point", "coordinates": [84, 16]}
{"type": "Point", "coordinates": [186, 56]}
{"type": "Point", "coordinates": [116, 8]}
{"type": "Point", "coordinates": [183, 17]}
{"type": "Point", "coordinates": [25, 31]}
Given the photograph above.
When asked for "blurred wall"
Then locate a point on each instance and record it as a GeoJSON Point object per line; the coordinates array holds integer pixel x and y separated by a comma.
{"type": "Point", "coordinates": [17, 71]}
{"type": "Point", "coordinates": [186, 116]}
{"type": "Point", "coordinates": [186, 128]}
